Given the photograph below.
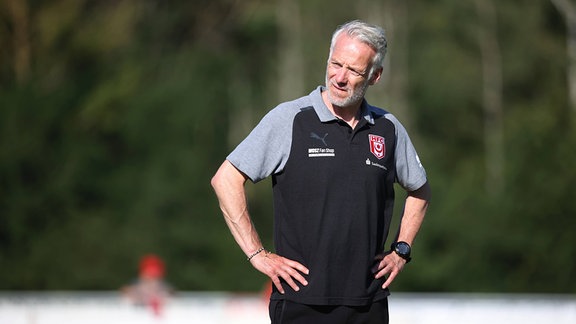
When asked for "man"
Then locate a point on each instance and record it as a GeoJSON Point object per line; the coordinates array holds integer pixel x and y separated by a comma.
{"type": "Point", "coordinates": [333, 159]}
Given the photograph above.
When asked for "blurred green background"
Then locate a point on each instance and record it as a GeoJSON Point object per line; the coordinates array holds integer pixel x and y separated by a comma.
{"type": "Point", "coordinates": [115, 114]}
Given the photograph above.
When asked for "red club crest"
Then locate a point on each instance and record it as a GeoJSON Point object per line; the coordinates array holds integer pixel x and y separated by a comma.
{"type": "Point", "coordinates": [377, 146]}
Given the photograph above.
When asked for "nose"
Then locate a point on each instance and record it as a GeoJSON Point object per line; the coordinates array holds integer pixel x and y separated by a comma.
{"type": "Point", "coordinates": [341, 76]}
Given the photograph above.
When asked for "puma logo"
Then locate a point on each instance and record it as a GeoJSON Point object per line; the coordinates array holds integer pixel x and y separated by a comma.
{"type": "Point", "coordinates": [316, 136]}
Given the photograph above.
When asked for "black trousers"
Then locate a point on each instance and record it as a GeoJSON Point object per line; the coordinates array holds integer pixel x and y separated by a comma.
{"type": "Point", "coordinates": [287, 312]}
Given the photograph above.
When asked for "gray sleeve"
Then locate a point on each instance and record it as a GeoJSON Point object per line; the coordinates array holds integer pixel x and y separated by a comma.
{"type": "Point", "coordinates": [266, 149]}
{"type": "Point", "coordinates": [410, 172]}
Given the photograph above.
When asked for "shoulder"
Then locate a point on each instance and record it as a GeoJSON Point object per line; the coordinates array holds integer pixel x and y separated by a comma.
{"type": "Point", "coordinates": [381, 115]}
{"type": "Point", "coordinates": [280, 119]}
{"type": "Point", "coordinates": [289, 109]}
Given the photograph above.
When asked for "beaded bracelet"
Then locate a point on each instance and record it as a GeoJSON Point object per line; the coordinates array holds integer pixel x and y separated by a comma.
{"type": "Point", "coordinates": [255, 253]}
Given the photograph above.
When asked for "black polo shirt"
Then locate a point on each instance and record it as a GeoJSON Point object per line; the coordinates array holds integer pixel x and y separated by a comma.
{"type": "Point", "coordinates": [333, 192]}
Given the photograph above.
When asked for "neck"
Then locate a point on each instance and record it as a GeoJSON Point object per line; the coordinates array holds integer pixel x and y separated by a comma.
{"type": "Point", "coordinates": [349, 115]}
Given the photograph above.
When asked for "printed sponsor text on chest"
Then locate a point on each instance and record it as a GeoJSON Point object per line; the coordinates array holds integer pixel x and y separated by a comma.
{"type": "Point", "coordinates": [321, 152]}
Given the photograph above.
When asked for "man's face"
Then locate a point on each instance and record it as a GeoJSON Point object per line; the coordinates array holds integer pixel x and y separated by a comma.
{"type": "Point", "coordinates": [347, 72]}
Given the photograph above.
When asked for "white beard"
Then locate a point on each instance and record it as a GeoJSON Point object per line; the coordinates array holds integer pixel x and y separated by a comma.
{"type": "Point", "coordinates": [355, 98]}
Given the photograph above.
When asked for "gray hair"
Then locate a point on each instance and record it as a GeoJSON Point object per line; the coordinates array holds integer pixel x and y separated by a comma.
{"type": "Point", "coordinates": [371, 35]}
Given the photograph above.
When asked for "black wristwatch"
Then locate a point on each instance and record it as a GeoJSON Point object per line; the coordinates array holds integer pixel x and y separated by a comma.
{"type": "Point", "coordinates": [403, 249]}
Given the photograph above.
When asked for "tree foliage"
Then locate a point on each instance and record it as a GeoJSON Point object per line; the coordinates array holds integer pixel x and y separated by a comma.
{"type": "Point", "coordinates": [115, 114]}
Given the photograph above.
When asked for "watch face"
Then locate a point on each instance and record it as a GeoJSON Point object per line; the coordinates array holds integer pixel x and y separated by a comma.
{"type": "Point", "coordinates": [402, 248]}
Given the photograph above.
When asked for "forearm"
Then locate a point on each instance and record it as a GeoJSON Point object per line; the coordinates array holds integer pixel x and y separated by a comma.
{"type": "Point", "coordinates": [244, 232]}
{"type": "Point", "coordinates": [228, 184]}
{"type": "Point", "coordinates": [414, 211]}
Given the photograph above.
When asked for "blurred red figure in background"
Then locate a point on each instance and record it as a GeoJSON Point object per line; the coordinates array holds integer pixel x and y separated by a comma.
{"type": "Point", "coordinates": [150, 289]}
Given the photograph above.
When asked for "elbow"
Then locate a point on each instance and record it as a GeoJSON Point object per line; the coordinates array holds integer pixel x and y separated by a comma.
{"type": "Point", "coordinates": [217, 180]}
{"type": "Point", "coordinates": [214, 181]}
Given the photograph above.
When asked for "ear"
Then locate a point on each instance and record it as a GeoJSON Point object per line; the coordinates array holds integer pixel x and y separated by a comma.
{"type": "Point", "coordinates": [376, 77]}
